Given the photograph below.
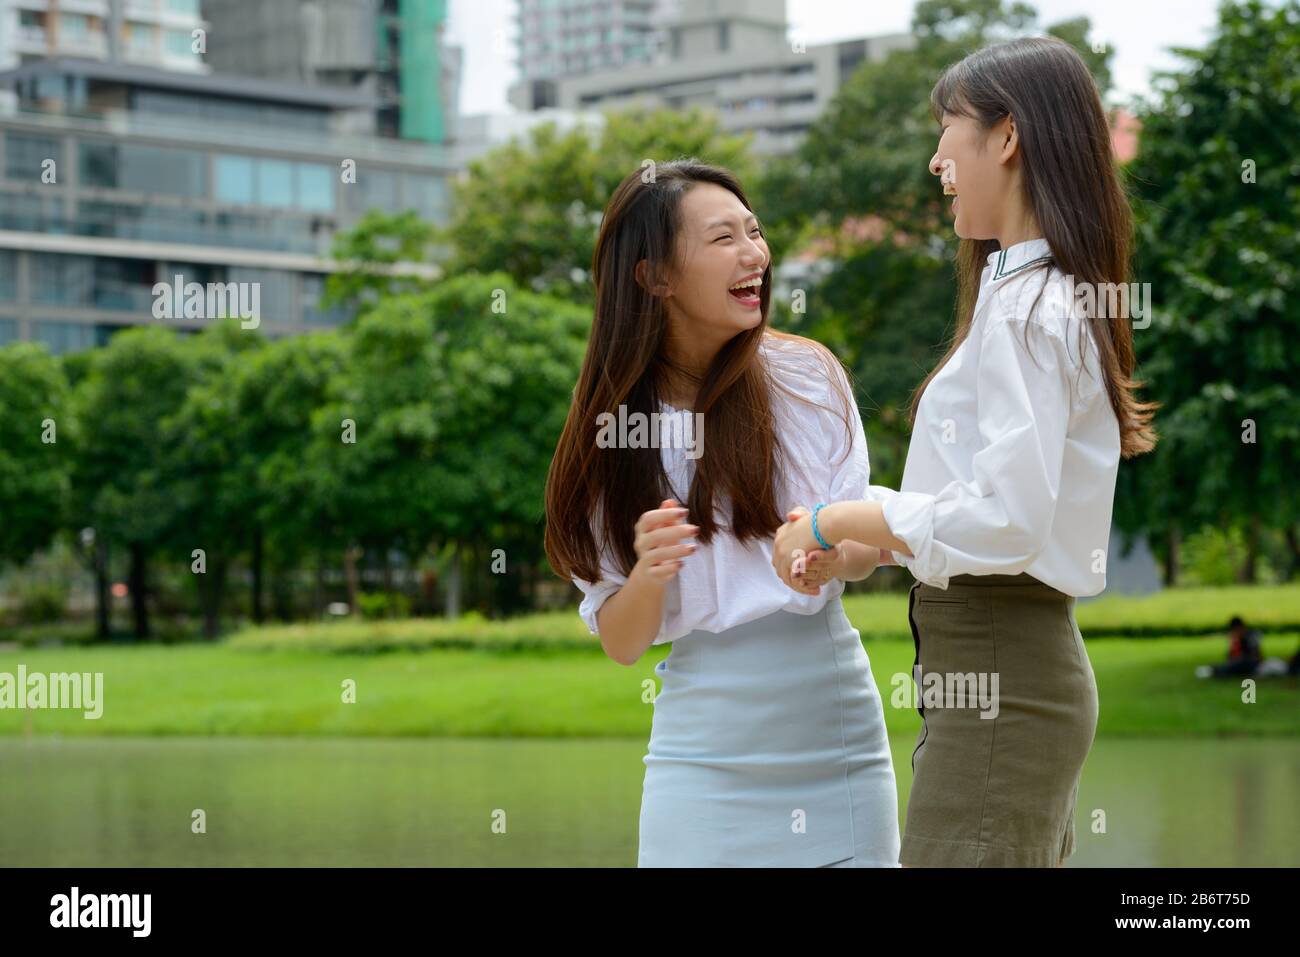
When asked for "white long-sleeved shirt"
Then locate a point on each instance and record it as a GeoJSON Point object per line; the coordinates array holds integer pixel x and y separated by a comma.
{"type": "Point", "coordinates": [1015, 449]}
{"type": "Point", "coordinates": [724, 584]}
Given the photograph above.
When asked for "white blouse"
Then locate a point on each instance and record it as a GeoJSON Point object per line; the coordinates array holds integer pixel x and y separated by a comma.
{"type": "Point", "coordinates": [724, 584]}
{"type": "Point", "coordinates": [1014, 452]}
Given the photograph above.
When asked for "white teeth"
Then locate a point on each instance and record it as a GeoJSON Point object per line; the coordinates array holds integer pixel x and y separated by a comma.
{"type": "Point", "coordinates": [749, 282]}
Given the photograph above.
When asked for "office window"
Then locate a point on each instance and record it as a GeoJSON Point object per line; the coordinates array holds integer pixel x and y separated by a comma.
{"type": "Point", "coordinates": [143, 169]}
{"type": "Point", "coordinates": [184, 6]}
{"type": "Point", "coordinates": [8, 331]}
{"type": "Point", "coordinates": [140, 221]}
{"type": "Point", "coordinates": [75, 26]}
{"type": "Point", "coordinates": [125, 284]}
{"type": "Point", "coordinates": [313, 312]}
{"type": "Point", "coordinates": [202, 109]}
{"type": "Point", "coordinates": [140, 38]}
{"type": "Point", "coordinates": [8, 275]}
{"type": "Point", "coordinates": [178, 43]}
{"type": "Point", "coordinates": [427, 195]}
{"type": "Point", "coordinates": [275, 293]}
{"type": "Point", "coordinates": [315, 187]}
{"type": "Point", "coordinates": [99, 165]}
{"type": "Point", "coordinates": [234, 176]}
{"type": "Point", "coordinates": [25, 152]}
{"type": "Point", "coordinates": [62, 280]}
{"type": "Point", "coordinates": [63, 337]}
{"type": "Point", "coordinates": [274, 182]}
{"type": "Point", "coordinates": [374, 189]}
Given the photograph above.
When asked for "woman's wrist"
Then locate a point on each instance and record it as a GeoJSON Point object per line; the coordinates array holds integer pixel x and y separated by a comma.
{"type": "Point", "coordinates": [861, 522]}
{"type": "Point", "coordinates": [830, 521]}
{"type": "Point", "coordinates": [641, 579]}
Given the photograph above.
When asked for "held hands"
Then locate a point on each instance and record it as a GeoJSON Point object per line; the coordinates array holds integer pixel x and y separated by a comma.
{"type": "Point", "coordinates": [799, 560]}
{"type": "Point", "coordinates": [660, 542]}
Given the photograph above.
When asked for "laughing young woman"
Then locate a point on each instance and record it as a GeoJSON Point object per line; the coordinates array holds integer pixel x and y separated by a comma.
{"type": "Point", "coordinates": [768, 744]}
{"type": "Point", "coordinates": [1004, 513]}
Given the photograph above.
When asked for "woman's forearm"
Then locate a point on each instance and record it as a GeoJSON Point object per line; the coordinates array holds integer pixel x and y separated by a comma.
{"type": "Point", "coordinates": [857, 560]}
{"type": "Point", "coordinates": [630, 619]}
{"type": "Point", "coordinates": [860, 522]}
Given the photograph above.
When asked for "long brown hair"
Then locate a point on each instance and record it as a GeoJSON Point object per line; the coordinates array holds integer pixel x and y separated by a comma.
{"type": "Point", "coordinates": [1071, 184]}
{"type": "Point", "coordinates": [626, 363]}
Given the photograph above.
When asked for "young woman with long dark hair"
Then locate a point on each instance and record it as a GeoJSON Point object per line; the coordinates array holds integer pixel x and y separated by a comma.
{"type": "Point", "coordinates": [1005, 507]}
{"type": "Point", "coordinates": [768, 742]}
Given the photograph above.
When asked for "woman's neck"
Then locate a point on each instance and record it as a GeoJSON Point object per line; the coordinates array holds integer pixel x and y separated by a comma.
{"type": "Point", "coordinates": [681, 390]}
{"type": "Point", "coordinates": [687, 363]}
{"type": "Point", "coordinates": [1019, 225]}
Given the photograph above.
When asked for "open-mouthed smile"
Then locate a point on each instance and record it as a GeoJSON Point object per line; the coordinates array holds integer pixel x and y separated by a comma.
{"type": "Point", "coordinates": [746, 292]}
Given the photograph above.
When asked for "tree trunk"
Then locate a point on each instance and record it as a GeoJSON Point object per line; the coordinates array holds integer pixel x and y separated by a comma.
{"type": "Point", "coordinates": [1250, 567]}
{"type": "Point", "coordinates": [139, 599]}
{"type": "Point", "coordinates": [1172, 547]}
{"type": "Point", "coordinates": [455, 582]}
{"type": "Point", "coordinates": [259, 613]}
{"type": "Point", "coordinates": [318, 586]}
{"type": "Point", "coordinates": [102, 620]}
{"type": "Point", "coordinates": [281, 596]}
{"type": "Point", "coordinates": [214, 586]}
{"type": "Point", "coordinates": [1293, 543]}
{"type": "Point", "coordinates": [350, 556]}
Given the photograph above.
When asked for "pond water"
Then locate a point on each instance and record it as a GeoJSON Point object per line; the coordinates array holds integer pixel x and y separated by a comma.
{"type": "Point", "coordinates": [97, 802]}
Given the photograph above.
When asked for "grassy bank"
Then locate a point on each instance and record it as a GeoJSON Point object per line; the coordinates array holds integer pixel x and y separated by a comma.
{"type": "Point", "coordinates": [1190, 611]}
{"type": "Point", "coordinates": [1146, 688]}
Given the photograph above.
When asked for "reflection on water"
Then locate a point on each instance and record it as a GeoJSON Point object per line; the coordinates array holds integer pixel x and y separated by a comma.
{"type": "Point", "coordinates": [433, 802]}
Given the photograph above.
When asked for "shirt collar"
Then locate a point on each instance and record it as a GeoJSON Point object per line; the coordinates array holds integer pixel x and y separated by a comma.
{"type": "Point", "coordinates": [1013, 259]}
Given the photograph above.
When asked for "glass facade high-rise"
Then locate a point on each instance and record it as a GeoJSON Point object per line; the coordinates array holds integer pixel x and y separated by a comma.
{"type": "Point", "coordinates": [118, 172]}
{"type": "Point", "coordinates": [394, 51]}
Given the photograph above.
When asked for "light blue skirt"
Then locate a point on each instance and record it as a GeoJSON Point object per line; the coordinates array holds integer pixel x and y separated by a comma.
{"type": "Point", "coordinates": [768, 749]}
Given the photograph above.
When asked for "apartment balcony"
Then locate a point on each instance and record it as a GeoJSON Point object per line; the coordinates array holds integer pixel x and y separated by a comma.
{"type": "Point", "coordinates": [771, 82]}
{"type": "Point", "coordinates": [150, 11]}
{"type": "Point", "coordinates": [95, 8]}
{"type": "Point", "coordinates": [179, 227]}
{"type": "Point", "coordinates": [31, 40]}
{"type": "Point", "coordinates": [183, 131]}
{"type": "Point", "coordinates": [93, 45]}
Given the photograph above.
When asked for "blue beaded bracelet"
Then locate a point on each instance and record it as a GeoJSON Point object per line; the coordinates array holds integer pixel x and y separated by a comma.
{"type": "Point", "coordinates": [816, 534]}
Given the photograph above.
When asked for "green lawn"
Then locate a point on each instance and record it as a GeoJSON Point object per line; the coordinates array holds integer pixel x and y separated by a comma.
{"type": "Point", "coordinates": [1180, 611]}
{"type": "Point", "coordinates": [1146, 688]}
{"type": "Point", "coordinates": [1183, 611]}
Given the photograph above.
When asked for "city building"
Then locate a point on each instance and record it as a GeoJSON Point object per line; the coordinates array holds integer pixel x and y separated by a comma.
{"type": "Point", "coordinates": [392, 51]}
{"type": "Point", "coordinates": [732, 57]}
{"type": "Point", "coordinates": [116, 176]}
{"type": "Point", "coordinates": [157, 33]}
{"type": "Point", "coordinates": [480, 132]}
{"type": "Point", "coordinates": [571, 37]}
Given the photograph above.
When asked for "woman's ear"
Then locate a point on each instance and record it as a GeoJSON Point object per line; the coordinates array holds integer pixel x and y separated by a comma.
{"type": "Point", "coordinates": [642, 273]}
{"type": "Point", "coordinates": [1008, 138]}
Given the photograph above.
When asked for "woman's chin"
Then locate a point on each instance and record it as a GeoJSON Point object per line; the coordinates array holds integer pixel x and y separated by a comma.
{"type": "Point", "coordinates": [740, 318]}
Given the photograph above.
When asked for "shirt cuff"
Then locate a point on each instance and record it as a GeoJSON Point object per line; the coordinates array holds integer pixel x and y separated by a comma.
{"type": "Point", "coordinates": [910, 517]}
{"type": "Point", "coordinates": [593, 600]}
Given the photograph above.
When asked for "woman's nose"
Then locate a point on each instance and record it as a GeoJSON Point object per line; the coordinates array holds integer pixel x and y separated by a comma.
{"type": "Point", "coordinates": [936, 166]}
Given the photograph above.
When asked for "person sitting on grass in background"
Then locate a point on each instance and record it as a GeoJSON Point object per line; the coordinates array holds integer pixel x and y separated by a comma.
{"type": "Point", "coordinates": [1243, 653]}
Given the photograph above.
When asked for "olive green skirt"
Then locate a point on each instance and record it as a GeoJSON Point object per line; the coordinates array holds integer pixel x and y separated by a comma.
{"type": "Point", "coordinates": [1008, 704]}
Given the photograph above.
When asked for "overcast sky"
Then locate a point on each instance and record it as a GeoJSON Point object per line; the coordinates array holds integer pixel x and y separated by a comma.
{"type": "Point", "coordinates": [1140, 31]}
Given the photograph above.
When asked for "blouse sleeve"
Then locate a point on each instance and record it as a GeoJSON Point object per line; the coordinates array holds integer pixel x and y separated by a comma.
{"type": "Point", "coordinates": [997, 522]}
{"type": "Point", "coordinates": [595, 594]}
{"type": "Point", "coordinates": [851, 471]}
